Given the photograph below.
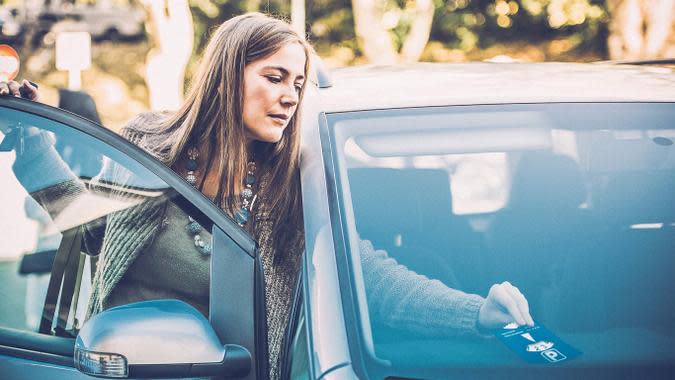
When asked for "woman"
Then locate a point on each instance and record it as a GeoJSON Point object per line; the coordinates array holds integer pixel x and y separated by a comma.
{"type": "Point", "coordinates": [236, 138]}
{"type": "Point", "coordinates": [238, 121]}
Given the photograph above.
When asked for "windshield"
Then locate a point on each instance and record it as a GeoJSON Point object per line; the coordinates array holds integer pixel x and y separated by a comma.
{"type": "Point", "coordinates": [571, 203]}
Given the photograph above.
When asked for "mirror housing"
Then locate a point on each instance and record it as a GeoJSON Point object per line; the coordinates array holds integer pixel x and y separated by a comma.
{"type": "Point", "coordinates": [154, 339]}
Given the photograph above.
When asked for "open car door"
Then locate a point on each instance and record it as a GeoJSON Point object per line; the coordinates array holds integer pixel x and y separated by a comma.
{"type": "Point", "coordinates": [47, 263]}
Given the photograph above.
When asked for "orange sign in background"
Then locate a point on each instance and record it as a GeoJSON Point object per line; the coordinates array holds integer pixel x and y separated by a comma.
{"type": "Point", "coordinates": [9, 63]}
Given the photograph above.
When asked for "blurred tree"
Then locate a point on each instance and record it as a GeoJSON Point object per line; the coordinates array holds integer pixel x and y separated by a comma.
{"type": "Point", "coordinates": [354, 31]}
{"type": "Point", "coordinates": [177, 29]}
{"type": "Point", "coordinates": [208, 14]}
{"type": "Point", "coordinates": [166, 62]}
{"type": "Point", "coordinates": [298, 16]}
{"type": "Point", "coordinates": [331, 31]}
{"type": "Point", "coordinates": [641, 29]}
{"type": "Point", "coordinates": [389, 32]}
{"type": "Point", "coordinates": [561, 26]}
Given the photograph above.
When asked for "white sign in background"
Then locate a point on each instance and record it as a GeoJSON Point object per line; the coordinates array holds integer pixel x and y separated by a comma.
{"type": "Point", "coordinates": [73, 54]}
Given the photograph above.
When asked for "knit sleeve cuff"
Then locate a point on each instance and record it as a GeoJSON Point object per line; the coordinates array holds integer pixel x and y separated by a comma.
{"type": "Point", "coordinates": [468, 318]}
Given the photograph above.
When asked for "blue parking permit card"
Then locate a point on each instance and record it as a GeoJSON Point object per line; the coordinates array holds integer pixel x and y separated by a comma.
{"type": "Point", "coordinates": [536, 344]}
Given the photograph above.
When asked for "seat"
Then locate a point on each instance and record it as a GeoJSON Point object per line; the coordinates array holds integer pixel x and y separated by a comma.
{"type": "Point", "coordinates": [638, 251]}
{"type": "Point", "coordinates": [408, 213]}
{"type": "Point", "coordinates": [540, 229]}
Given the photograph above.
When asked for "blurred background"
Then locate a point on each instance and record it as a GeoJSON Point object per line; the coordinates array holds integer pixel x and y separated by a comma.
{"type": "Point", "coordinates": [136, 55]}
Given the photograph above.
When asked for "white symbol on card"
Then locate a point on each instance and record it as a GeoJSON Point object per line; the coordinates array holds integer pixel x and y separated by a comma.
{"type": "Point", "coordinates": [511, 326]}
{"type": "Point", "coordinates": [539, 346]}
{"type": "Point", "coordinates": [553, 355]}
{"type": "Point", "coordinates": [528, 336]}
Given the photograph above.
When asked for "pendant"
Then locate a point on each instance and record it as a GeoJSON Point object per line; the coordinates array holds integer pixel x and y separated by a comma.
{"type": "Point", "coordinates": [242, 216]}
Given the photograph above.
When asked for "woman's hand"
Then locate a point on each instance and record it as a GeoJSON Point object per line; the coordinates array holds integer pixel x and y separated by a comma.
{"type": "Point", "coordinates": [504, 304]}
{"type": "Point", "coordinates": [14, 88]}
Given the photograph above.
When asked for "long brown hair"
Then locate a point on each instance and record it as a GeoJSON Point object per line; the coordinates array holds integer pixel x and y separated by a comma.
{"type": "Point", "coordinates": [212, 114]}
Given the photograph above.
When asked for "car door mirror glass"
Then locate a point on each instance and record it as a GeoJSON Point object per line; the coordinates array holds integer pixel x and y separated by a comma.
{"type": "Point", "coordinates": [156, 338]}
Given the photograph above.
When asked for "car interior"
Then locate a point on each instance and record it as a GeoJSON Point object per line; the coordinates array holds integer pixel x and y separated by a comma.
{"type": "Point", "coordinates": [591, 246]}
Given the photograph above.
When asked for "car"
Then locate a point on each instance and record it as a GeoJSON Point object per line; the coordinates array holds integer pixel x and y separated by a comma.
{"type": "Point", "coordinates": [102, 21]}
{"type": "Point", "coordinates": [556, 177]}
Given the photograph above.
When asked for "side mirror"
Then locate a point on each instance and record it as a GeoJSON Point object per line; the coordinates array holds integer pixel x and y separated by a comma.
{"type": "Point", "coordinates": [151, 339]}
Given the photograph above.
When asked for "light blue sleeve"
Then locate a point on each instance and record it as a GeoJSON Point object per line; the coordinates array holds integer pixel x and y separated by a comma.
{"type": "Point", "coordinates": [39, 166]}
{"type": "Point", "coordinates": [402, 299]}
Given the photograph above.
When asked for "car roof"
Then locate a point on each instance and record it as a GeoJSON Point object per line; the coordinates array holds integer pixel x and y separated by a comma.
{"type": "Point", "coordinates": [442, 84]}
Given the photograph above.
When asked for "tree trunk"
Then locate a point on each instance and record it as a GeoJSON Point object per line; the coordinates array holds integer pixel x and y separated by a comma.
{"type": "Point", "coordinates": [298, 16]}
{"type": "Point", "coordinates": [174, 40]}
{"type": "Point", "coordinates": [641, 29]}
{"type": "Point", "coordinates": [373, 38]}
{"type": "Point", "coordinates": [420, 30]}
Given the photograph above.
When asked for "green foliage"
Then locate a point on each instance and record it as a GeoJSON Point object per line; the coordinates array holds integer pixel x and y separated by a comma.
{"type": "Point", "coordinates": [463, 25]}
{"type": "Point", "coordinates": [470, 24]}
{"type": "Point", "coordinates": [208, 14]}
{"type": "Point", "coordinates": [576, 26]}
{"type": "Point", "coordinates": [459, 25]}
{"type": "Point", "coordinates": [330, 26]}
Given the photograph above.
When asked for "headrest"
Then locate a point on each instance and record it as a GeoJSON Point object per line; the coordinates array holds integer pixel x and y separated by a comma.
{"type": "Point", "coordinates": [545, 180]}
{"type": "Point", "coordinates": [394, 199]}
{"type": "Point", "coordinates": [638, 197]}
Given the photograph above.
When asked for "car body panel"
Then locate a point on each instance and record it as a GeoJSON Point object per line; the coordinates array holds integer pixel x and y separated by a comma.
{"type": "Point", "coordinates": [23, 369]}
{"type": "Point", "coordinates": [345, 372]}
{"type": "Point", "coordinates": [432, 84]}
{"type": "Point", "coordinates": [327, 337]}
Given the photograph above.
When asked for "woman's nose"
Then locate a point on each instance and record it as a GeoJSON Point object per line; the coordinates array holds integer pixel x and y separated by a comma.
{"type": "Point", "coordinates": [290, 96]}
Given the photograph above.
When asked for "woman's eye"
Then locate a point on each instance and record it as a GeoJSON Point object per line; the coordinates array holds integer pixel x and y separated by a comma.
{"type": "Point", "coordinates": [274, 79]}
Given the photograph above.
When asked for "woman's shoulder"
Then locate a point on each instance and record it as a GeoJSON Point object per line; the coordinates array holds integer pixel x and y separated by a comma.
{"type": "Point", "coordinates": [142, 124]}
{"type": "Point", "coordinates": [149, 117]}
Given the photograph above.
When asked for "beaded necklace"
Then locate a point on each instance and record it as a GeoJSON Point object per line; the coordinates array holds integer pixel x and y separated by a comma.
{"type": "Point", "coordinates": [241, 216]}
{"type": "Point", "coordinates": [247, 196]}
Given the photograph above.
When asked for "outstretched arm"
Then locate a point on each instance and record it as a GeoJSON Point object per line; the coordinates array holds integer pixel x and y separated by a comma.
{"type": "Point", "coordinates": [403, 299]}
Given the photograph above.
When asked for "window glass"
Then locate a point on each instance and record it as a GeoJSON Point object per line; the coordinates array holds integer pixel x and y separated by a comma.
{"type": "Point", "coordinates": [299, 355]}
{"type": "Point", "coordinates": [65, 189]}
{"type": "Point", "coordinates": [573, 204]}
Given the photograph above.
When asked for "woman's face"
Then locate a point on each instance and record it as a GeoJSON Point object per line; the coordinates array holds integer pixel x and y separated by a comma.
{"type": "Point", "coordinates": [271, 92]}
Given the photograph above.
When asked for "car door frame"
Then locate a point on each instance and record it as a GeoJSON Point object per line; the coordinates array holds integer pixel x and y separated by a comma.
{"type": "Point", "coordinates": [225, 233]}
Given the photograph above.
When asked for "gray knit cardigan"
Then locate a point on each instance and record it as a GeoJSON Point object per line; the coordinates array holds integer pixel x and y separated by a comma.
{"type": "Point", "coordinates": [397, 297]}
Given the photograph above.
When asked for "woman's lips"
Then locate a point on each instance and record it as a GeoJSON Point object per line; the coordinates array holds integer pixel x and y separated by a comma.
{"type": "Point", "coordinates": [279, 118]}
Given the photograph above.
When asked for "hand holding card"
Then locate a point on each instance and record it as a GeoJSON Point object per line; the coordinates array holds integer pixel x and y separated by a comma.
{"type": "Point", "coordinates": [504, 304]}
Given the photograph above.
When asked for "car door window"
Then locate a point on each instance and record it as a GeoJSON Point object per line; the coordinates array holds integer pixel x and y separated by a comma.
{"type": "Point", "coordinates": [295, 359]}
{"type": "Point", "coordinates": [299, 357]}
{"type": "Point", "coordinates": [88, 221]}
{"type": "Point", "coordinates": [63, 187]}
